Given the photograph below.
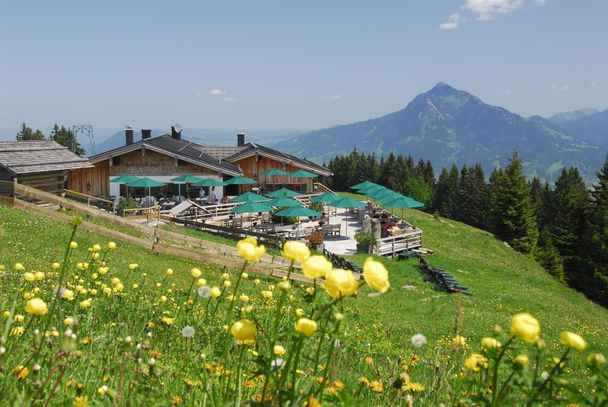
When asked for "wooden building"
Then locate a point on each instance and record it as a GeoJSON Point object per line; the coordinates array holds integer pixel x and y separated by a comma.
{"type": "Point", "coordinates": [42, 164]}
{"type": "Point", "coordinates": [160, 158]}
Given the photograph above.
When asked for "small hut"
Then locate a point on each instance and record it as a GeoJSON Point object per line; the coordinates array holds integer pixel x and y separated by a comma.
{"type": "Point", "coordinates": [42, 164]}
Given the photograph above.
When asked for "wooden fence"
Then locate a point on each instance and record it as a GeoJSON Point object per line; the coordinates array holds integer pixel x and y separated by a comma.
{"type": "Point", "coordinates": [90, 200]}
{"type": "Point", "coordinates": [392, 245]}
{"type": "Point", "coordinates": [154, 234]}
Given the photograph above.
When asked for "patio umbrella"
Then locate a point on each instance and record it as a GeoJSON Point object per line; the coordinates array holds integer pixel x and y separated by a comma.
{"type": "Point", "coordinates": [248, 197]}
{"type": "Point", "coordinates": [383, 196]}
{"type": "Point", "coordinates": [186, 179]}
{"type": "Point", "coordinates": [125, 179]}
{"type": "Point", "coordinates": [208, 182]}
{"type": "Point", "coordinates": [347, 203]}
{"type": "Point", "coordinates": [251, 207]}
{"type": "Point", "coordinates": [371, 189]}
{"type": "Point", "coordinates": [274, 171]}
{"type": "Point", "coordinates": [363, 184]}
{"type": "Point", "coordinates": [147, 183]}
{"type": "Point", "coordinates": [403, 202]}
{"type": "Point", "coordinates": [283, 192]}
{"type": "Point", "coordinates": [326, 197]}
{"type": "Point", "coordinates": [283, 202]}
{"type": "Point", "coordinates": [240, 181]}
{"type": "Point", "coordinates": [302, 174]}
{"type": "Point", "coordinates": [297, 211]}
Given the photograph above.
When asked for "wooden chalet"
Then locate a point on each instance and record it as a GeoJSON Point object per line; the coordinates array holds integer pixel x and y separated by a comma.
{"type": "Point", "coordinates": [42, 164]}
{"type": "Point", "coordinates": [253, 159]}
{"type": "Point", "coordinates": [160, 158]}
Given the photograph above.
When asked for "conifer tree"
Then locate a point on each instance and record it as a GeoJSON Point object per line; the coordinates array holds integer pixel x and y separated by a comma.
{"type": "Point", "coordinates": [513, 212]}
{"type": "Point", "coordinates": [66, 138]}
{"type": "Point", "coordinates": [26, 133]}
{"type": "Point", "coordinates": [596, 284]}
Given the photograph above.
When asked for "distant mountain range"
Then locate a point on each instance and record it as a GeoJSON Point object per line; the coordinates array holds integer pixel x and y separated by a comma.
{"type": "Point", "coordinates": [447, 125]}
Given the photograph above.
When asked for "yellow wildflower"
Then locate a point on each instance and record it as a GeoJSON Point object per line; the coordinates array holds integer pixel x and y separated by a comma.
{"type": "Point", "coordinates": [490, 343]}
{"type": "Point", "coordinates": [376, 386]}
{"type": "Point", "coordinates": [298, 251]}
{"type": "Point", "coordinates": [243, 331]}
{"type": "Point", "coordinates": [81, 401]}
{"type": "Point", "coordinates": [36, 306]}
{"type": "Point", "coordinates": [475, 362]}
{"type": "Point", "coordinates": [375, 275]}
{"type": "Point", "coordinates": [573, 341]}
{"type": "Point", "coordinates": [21, 372]}
{"type": "Point", "coordinates": [73, 245]}
{"type": "Point", "coordinates": [525, 327]}
{"type": "Point", "coordinates": [413, 387]}
{"type": "Point", "coordinates": [306, 326]}
{"type": "Point", "coordinates": [340, 283]}
{"type": "Point", "coordinates": [111, 245]}
{"type": "Point", "coordinates": [522, 361]}
{"type": "Point", "coordinates": [316, 266]}
{"type": "Point", "coordinates": [278, 350]}
{"type": "Point", "coordinates": [249, 250]}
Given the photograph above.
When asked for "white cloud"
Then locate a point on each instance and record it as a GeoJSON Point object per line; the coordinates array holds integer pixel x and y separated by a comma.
{"type": "Point", "coordinates": [453, 22]}
{"type": "Point", "coordinates": [217, 92]}
{"type": "Point", "coordinates": [334, 96]}
{"type": "Point", "coordinates": [230, 99]}
{"type": "Point", "coordinates": [486, 10]}
{"type": "Point", "coordinates": [560, 88]}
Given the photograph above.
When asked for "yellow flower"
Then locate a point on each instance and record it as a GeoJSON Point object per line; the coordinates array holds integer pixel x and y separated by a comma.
{"type": "Point", "coordinates": [19, 267]}
{"type": "Point", "coordinates": [167, 321]}
{"type": "Point", "coordinates": [111, 245]}
{"type": "Point", "coordinates": [133, 266]}
{"type": "Point", "coordinates": [86, 303]}
{"type": "Point", "coordinates": [525, 327]}
{"type": "Point", "coordinates": [215, 292]}
{"type": "Point", "coordinates": [413, 387]}
{"type": "Point", "coordinates": [201, 282]}
{"type": "Point", "coordinates": [522, 361]}
{"type": "Point", "coordinates": [340, 283]}
{"type": "Point", "coordinates": [278, 350]}
{"type": "Point", "coordinates": [36, 306]}
{"type": "Point", "coordinates": [68, 294]}
{"type": "Point", "coordinates": [475, 362]}
{"type": "Point", "coordinates": [17, 331]}
{"type": "Point", "coordinates": [195, 273]}
{"type": "Point", "coordinates": [490, 343]}
{"type": "Point", "coordinates": [81, 401]}
{"type": "Point", "coordinates": [96, 247]}
{"type": "Point", "coordinates": [267, 294]}
{"type": "Point", "coordinates": [68, 321]}
{"type": "Point", "coordinates": [18, 318]}
{"type": "Point", "coordinates": [298, 251]}
{"type": "Point", "coordinates": [596, 359]}
{"type": "Point", "coordinates": [375, 275]}
{"type": "Point", "coordinates": [306, 326]}
{"type": "Point", "coordinates": [316, 267]}
{"type": "Point", "coordinates": [28, 276]}
{"type": "Point", "coordinates": [573, 341]}
{"type": "Point", "coordinates": [243, 330]}
{"type": "Point", "coordinates": [169, 272]}
{"type": "Point", "coordinates": [249, 250]}
{"type": "Point", "coordinates": [299, 312]}
{"type": "Point", "coordinates": [21, 372]}
{"type": "Point", "coordinates": [376, 386]}
{"type": "Point", "coordinates": [55, 266]}
{"type": "Point", "coordinates": [73, 245]}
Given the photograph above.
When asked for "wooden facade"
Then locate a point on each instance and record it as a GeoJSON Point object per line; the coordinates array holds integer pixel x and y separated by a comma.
{"type": "Point", "coordinates": [253, 166]}
{"type": "Point", "coordinates": [141, 162]}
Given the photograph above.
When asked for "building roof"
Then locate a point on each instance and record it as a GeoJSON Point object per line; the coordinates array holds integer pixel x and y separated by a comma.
{"type": "Point", "coordinates": [181, 149]}
{"type": "Point", "coordinates": [222, 151]}
{"type": "Point", "coordinates": [251, 149]}
{"type": "Point", "coordinates": [26, 157]}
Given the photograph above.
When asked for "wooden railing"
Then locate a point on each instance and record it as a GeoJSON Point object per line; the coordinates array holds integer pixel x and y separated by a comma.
{"type": "Point", "coordinates": [322, 188]}
{"type": "Point", "coordinates": [149, 213]}
{"type": "Point", "coordinates": [403, 241]}
{"type": "Point", "coordinates": [90, 200]}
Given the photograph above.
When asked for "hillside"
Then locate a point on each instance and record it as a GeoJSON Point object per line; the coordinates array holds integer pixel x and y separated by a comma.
{"type": "Point", "coordinates": [447, 125]}
{"type": "Point", "coordinates": [589, 125]}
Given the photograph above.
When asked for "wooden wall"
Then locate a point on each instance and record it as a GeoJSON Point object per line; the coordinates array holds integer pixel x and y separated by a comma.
{"type": "Point", "coordinates": [252, 169]}
{"type": "Point", "coordinates": [150, 163]}
{"type": "Point", "coordinates": [51, 181]}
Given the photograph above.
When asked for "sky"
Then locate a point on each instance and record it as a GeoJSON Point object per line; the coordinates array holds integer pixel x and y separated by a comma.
{"type": "Point", "coordinates": [290, 64]}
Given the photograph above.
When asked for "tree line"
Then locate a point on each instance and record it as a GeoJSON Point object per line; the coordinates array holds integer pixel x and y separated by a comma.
{"type": "Point", "coordinates": [564, 226]}
{"type": "Point", "coordinates": [60, 134]}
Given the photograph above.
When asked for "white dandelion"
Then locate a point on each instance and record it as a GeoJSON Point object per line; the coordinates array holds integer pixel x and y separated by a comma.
{"type": "Point", "coordinates": [418, 340]}
{"type": "Point", "coordinates": [204, 291]}
{"type": "Point", "coordinates": [188, 332]}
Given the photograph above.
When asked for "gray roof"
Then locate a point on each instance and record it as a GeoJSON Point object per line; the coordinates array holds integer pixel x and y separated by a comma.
{"type": "Point", "coordinates": [253, 148]}
{"type": "Point", "coordinates": [181, 149]}
{"type": "Point", "coordinates": [26, 157]}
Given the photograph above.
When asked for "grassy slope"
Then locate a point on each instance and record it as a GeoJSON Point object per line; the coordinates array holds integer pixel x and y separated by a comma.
{"type": "Point", "coordinates": [502, 280]}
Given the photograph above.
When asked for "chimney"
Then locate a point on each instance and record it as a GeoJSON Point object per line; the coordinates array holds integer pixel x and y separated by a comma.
{"type": "Point", "coordinates": [175, 133]}
{"type": "Point", "coordinates": [128, 135]}
{"type": "Point", "coordinates": [146, 133]}
{"type": "Point", "coordinates": [240, 139]}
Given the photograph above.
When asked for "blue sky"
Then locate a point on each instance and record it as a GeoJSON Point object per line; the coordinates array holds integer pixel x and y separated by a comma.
{"type": "Point", "coordinates": [286, 64]}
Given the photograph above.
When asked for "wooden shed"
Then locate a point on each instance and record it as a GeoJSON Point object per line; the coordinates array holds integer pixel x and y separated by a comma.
{"type": "Point", "coordinates": [42, 164]}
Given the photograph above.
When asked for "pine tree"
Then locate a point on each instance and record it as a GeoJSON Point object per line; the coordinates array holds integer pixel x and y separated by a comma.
{"type": "Point", "coordinates": [512, 208]}
{"type": "Point", "coordinates": [595, 284]}
{"type": "Point", "coordinates": [66, 138]}
{"type": "Point", "coordinates": [568, 207]}
{"type": "Point", "coordinates": [473, 197]}
{"type": "Point", "coordinates": [445, 195]}
{"type": "Point", "coordinates": [26, 133]}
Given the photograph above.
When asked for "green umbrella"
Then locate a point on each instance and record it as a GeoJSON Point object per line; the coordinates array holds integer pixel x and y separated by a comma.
{"type": "Point", "coordinates": [347, 203]}
{"type": "Point", "coordinates": [125, 179]}
{"type": "Point", "coordinates": [248, 197]}
{"type": "Point", "coordinates": [274, 171]}
{"type": "Point", "coordinates": [186, 179]}
{"type": "Point", "coordinates": [370, 189]}
{"type": "Point", "coordinates": [298, 211]}
{"type": "Point", "coordinates": [386, 195]}
{"type": "Point", "coordinates": [283, 202]}
{"type": "Point", "coordinates": [302, 174]}
{"type": "Point", "coordinates": [283, 192]}
{"type": "Point", "coordinates": [403, 202]}
{"type": "Point", "coordinates": [363, 184]}
{"type": "Point", "coordinates": [251, 207]}
{"type": "Point", "coordinates": [240, 181]}
{"type": "Point", "coordinates": [146, 182]}
{"type": "Point", "coordinates": [209, 182]}
{"type": "Point", "coordinates": [326, 197]}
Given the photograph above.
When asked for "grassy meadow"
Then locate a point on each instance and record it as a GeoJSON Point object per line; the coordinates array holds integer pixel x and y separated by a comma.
{"type": "Point", "coordinates": [151, 338]}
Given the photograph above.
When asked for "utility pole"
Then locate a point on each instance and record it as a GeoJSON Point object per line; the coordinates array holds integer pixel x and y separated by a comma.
{"type": "Point", "coordinates": [86, 129]}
